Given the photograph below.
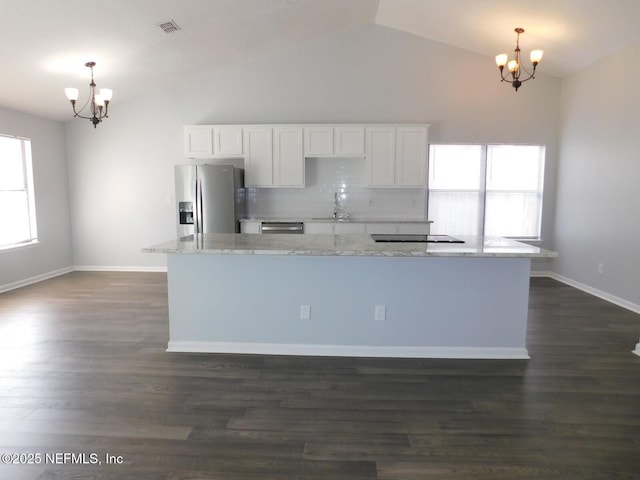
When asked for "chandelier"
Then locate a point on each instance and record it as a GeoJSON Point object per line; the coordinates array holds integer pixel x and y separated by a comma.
{"type": "Point", "coordinates": [98, 103]}
{"type": "Point", "coordinates": [515, 67]}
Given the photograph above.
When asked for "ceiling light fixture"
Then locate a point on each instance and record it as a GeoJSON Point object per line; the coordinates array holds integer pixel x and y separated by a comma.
{"type": "Point", "coordinates": [514, 66]}
{"type": "Point", "coordinates": [98, 102]}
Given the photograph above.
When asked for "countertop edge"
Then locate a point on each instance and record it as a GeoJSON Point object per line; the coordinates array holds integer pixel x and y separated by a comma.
{"type": "Point", "coordinates": [336, 220]}
{"type": "Point", "coordinates": [352, 246]}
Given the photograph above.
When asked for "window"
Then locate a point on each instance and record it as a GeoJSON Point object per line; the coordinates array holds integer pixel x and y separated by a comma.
{"type": "Point", "coordinates": [486, 190]}
{"type": "Point", "coordinates": [17, 207]}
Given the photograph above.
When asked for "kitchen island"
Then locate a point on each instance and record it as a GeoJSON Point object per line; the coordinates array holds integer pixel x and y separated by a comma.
{"type": "Point", "coordinates": [346, 295]}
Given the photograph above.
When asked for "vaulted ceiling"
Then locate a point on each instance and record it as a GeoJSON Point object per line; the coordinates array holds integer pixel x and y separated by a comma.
{"type": "Point", "coordinates": [45, 43]}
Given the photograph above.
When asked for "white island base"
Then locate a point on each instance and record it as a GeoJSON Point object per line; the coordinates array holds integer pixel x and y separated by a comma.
{"type": "Point", "coordinates": [369, 306]}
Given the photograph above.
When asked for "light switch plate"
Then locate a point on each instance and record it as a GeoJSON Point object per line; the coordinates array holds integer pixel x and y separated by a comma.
{"type": "Point", "coordinates": [305, 312]}
{"type": "Point", "coordinates": [380, 313]}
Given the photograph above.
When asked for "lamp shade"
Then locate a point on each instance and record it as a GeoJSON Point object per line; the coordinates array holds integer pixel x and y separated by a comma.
{"type": "Point", "coordinates": [501, 60]}
{"type": "Point", "coordinates": [536, 56]}
{"type": "Point", "coordinates": [106, 94]}
{"type": "Point", "coordinates": [71, 93]}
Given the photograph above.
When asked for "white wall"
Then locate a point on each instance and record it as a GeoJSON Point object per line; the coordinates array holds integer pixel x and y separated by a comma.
{"type": "Point", "coordinates": [121, 173]}
{"type": "Point", "coordinates": [598, 208]}
{"type": "Point", "coordinates": [53, 253]}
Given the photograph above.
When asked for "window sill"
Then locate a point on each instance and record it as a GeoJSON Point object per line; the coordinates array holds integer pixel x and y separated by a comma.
{"type": "Point", "coordinates": [19, 247]}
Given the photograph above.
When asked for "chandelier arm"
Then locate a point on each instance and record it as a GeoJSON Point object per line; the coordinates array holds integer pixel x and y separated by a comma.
{"type": "Point", "coordinates": [77, 112]}
{"type": "Point", "coordinates": [531, 74]}
{"type": "Point", "coordinates": [505, 79]}
{"type": "Point", "coordinates": [528, 78]}
{"type": "Point", "coordinates": [82, 116]}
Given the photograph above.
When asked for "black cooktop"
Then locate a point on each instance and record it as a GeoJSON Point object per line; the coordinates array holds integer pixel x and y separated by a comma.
{"type": "Point", "coordinates": [391, 237]}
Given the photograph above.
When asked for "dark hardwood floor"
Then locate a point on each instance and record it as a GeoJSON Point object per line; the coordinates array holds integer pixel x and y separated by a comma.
{"type": "Point", "coordinates": [83, 371]}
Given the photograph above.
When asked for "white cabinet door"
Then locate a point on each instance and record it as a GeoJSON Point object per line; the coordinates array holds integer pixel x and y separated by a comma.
{"type": "Point", "coordinates": [258, 157]}
{"type": "Point", "coordinates": [381, 153]}
{"type": "Point", "coordinates": [318, 140]}
{"type": "Point", "coordinates": [348, 227]}
{"type": "Point", "coordinates": [318, 227]}
{"type": "Point", "coordinates": [228, 140]}
{"type": "Point", "coordinates": [411, 157]}
{"type": "Point", "coordinates": [397, 156]}
{"type": "Point", "coordinates": [198, 141]}
{"type": "Point", "coordinates": [417, 228]}
{"type": "Point", "coordinates": [383, 228]}
{"type": "Point", "coordinates": [348, 140]}
{"type": "Point", "coordinates": [421, 228]}
{"type": "Point", "coordinates": [288, 157]}
{"type": "Point", "coordinates": [248, 226]}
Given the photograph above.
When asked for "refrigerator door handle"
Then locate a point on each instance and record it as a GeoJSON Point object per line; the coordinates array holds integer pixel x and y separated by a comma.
{"type": "Point", "coordinates": [197, 207]}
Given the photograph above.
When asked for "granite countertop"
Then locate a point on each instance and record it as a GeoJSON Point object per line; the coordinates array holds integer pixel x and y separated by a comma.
{"type": "Point", "coordinates": [344, 245]}
{"type": "Point", "coordinates": [331, 219]}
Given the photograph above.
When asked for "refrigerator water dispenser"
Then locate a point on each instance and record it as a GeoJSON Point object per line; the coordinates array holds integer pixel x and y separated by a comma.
{"type": "Point", "coordinates": [185, 209]}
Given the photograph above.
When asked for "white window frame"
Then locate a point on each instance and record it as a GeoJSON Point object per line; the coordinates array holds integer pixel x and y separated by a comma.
{"type": "Point", "coordinates": [482, 186]}
{"type": "Point", "coordinates": [27, 186]}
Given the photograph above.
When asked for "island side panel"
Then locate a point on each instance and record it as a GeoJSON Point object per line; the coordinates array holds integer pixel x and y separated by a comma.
{"type": "Point", "coordinates": [435, 306]}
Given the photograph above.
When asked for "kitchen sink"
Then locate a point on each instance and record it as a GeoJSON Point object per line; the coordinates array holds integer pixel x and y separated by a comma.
{"type": "Point", "coordinates": [336, 219]}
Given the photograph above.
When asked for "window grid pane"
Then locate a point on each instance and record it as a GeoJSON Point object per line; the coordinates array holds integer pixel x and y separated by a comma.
{"type": "Point", "coordinates": [17, 206]}
{"type": "Point", "coordinates": [455, 189]}
{"type": "Point", "coordinates": [514, 190]}
{"type": "Point", "coordinates": [512, 214]}
{"type": "Point", "coordinates": [455, 213]}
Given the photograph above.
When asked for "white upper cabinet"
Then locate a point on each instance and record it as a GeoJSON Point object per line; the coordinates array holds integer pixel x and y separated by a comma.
{"type": "Point", "coordinates": [210, 141]}
{"type": "Point", "coordinates": [198, 141]}
{"type": "Point", "coordinates": [333, 140]}
{"type": "Point", "coordinates": [348, 140]}
{"type": "Point", "coordinates": [318, 140]}
{"type": "Point", "coordinates": [381, 153]}
{"type": "Point", "coordinates": [258, 157]}
{"type": "Point", "coordinates": [228, 141]}
{"type": "Point", "coordinates": [411, 156]}
{"type": "Point", "coordinates": [274, 155]}
{"type": "Point", "coordinates": [288, 156]}
{"type": "Point", "coordinates": [397, 156]}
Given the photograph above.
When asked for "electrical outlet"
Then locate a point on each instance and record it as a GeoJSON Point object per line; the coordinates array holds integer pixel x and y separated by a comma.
{"type": "Point", "coordinates": [600, 268]}
{"type": "Point", "coordinates": [380, 313]}
{"type": "Point", "coordinates": [305, 312]}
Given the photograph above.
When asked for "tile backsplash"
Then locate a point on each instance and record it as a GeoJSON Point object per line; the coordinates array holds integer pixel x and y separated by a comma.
{"type": "Point", "coordinates": [346, 176]}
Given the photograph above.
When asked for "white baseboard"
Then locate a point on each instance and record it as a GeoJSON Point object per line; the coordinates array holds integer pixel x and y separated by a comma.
{"type": "Point", "coordinates": [540, 273]}
{"type": "Point", "coordinates": [81, 268]}
{"type": "Point", "coordinates": [348, 350]}
{"type": "Point", "coordinates": [36, 279]}
{"type": "Point", "coordinates": [621, 302]}
{"type": "Point", "coordinates": [108, 268]}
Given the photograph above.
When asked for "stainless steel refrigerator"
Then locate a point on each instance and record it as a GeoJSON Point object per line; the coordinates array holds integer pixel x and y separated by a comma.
{"type": "Point", "coordinates": [209, 198]}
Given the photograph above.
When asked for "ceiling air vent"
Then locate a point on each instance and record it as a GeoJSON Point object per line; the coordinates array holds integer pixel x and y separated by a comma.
{"type": "Point", "coordinates": [169, 26]}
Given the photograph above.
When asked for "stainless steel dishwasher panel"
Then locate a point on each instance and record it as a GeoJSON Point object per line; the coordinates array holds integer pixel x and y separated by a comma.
{"type": "Point", "coordinates": [282, 227]}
